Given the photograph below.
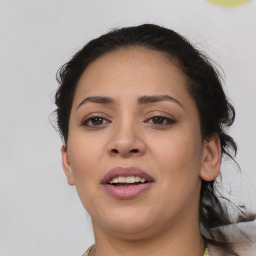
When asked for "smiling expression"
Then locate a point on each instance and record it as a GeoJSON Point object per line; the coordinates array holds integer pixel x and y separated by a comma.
{"type": "Point", "coordinates": [131, 110]}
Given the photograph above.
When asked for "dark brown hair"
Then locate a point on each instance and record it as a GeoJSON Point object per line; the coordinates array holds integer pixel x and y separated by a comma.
{"type": "Point", "coordinates": [203, 83]}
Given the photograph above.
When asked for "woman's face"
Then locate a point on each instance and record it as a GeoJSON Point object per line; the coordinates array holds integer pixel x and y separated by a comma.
{"type": "Point", "coordinates": [133, 117]}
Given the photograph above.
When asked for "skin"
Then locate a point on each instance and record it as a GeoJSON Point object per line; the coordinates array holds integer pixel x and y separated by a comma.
{"type": "Point", "coordinates": [163, 220]}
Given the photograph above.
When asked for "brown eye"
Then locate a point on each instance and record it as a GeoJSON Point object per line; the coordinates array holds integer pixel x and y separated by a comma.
{"type": "Point", "coordinates": [95, 121]}
{"type": "Point", "coordinates": [160, 120]}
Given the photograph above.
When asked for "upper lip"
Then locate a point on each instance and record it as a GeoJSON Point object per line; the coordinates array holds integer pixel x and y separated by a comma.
{"type": "Point", "coordinates": [125, 172]}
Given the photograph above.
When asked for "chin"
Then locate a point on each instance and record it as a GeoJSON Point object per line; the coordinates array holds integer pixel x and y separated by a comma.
{"type": "Point", "coordinates": [133, 231]}
{"type": "Point", "coordinates": [127, 224]}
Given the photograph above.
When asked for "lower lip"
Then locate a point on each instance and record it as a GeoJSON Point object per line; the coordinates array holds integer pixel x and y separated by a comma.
{"type": "Point", "coordinates": [129, 192]}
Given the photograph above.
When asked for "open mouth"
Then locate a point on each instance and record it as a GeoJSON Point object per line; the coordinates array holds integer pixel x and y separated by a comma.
{"type": "Point", "coordinates": [127, 181]}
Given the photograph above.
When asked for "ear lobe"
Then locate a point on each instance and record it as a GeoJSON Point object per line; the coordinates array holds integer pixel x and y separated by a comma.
{"type": "Point", "coordinates": [66, 165]}
{"type": "Point", "coordinates": [210, 168]}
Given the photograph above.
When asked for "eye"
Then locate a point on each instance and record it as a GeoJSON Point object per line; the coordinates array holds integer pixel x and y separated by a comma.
{"type": "Point", "coordinates": [96, 121]}
{"type": "Point", "coordinates": [159, 120]}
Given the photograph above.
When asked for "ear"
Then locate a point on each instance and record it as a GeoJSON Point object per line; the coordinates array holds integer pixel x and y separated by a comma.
{"type": "Point", "coordinates": [210, 168]}
{"type": "Point", "coordinates": [66, 165]}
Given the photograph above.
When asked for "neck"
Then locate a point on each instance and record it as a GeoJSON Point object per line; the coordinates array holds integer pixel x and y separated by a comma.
{"type": "Point", "coordinates": [175, 241]}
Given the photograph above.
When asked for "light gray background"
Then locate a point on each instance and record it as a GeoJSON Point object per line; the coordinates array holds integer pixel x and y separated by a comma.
{"type": "Point", "coordinates": [39, 213]}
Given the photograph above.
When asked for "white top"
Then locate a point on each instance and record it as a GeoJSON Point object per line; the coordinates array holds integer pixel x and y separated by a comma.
{"type": "Point", "coordinates": [237, 235]}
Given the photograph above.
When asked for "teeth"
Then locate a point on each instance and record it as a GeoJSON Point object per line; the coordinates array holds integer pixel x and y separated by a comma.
{"type": "Point", "coordinates": [142, 180]}
{"type": "Point", "coordinates": [121, 179]}
{"type": "Point", "coordinates": [129, 179]}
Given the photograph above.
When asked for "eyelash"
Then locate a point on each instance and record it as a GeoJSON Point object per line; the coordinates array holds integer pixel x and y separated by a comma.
{"type": "Point", "coordinates": [167, 121]}
{"type": "Point", "coordinates": [91, 119]}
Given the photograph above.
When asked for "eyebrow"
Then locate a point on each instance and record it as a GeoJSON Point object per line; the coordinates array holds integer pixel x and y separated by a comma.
{"type": "Point", "coordinates": [157, 98]}
{"type": "Point", "coordinates": [141, 100]}
{"type": "Point", "coordinates": [96, 99]}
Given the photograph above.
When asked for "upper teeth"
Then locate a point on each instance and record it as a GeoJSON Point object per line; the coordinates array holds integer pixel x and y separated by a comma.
{"type": "Point", "coordinates": [129, 179]}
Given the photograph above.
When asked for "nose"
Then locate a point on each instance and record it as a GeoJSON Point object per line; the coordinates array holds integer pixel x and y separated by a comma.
{"type": "Point", "coordinates": [126, 142]}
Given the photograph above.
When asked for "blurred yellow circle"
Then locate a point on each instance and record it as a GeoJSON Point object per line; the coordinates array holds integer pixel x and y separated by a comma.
{"type": "Point", "coordinates": [229, 3]}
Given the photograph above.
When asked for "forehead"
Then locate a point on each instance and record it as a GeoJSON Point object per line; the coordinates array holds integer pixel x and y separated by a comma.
{"type": "Point", "coordinates": [129, 70]}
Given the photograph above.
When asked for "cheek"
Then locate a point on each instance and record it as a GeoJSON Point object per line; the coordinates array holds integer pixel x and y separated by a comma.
{"type": "Point", "coordinates": [179, 162]}
{"type": "Point", "coordinates": [84, 153]}
{"type": "Point", "coordinates": [179, 158]}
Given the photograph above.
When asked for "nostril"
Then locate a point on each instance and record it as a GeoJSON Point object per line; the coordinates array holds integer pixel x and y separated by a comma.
{"type": "Point", "coordinates": [124, 152]}
{"type": "Point", "coordinates": [114, 150]}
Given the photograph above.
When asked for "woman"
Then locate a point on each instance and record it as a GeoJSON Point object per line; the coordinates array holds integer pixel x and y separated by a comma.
{"type": "Point", "coordinates": [143, 116]}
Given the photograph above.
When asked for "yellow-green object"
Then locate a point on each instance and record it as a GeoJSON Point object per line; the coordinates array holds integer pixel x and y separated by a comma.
{"type": "Point", "coordinates": [229, 3]}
